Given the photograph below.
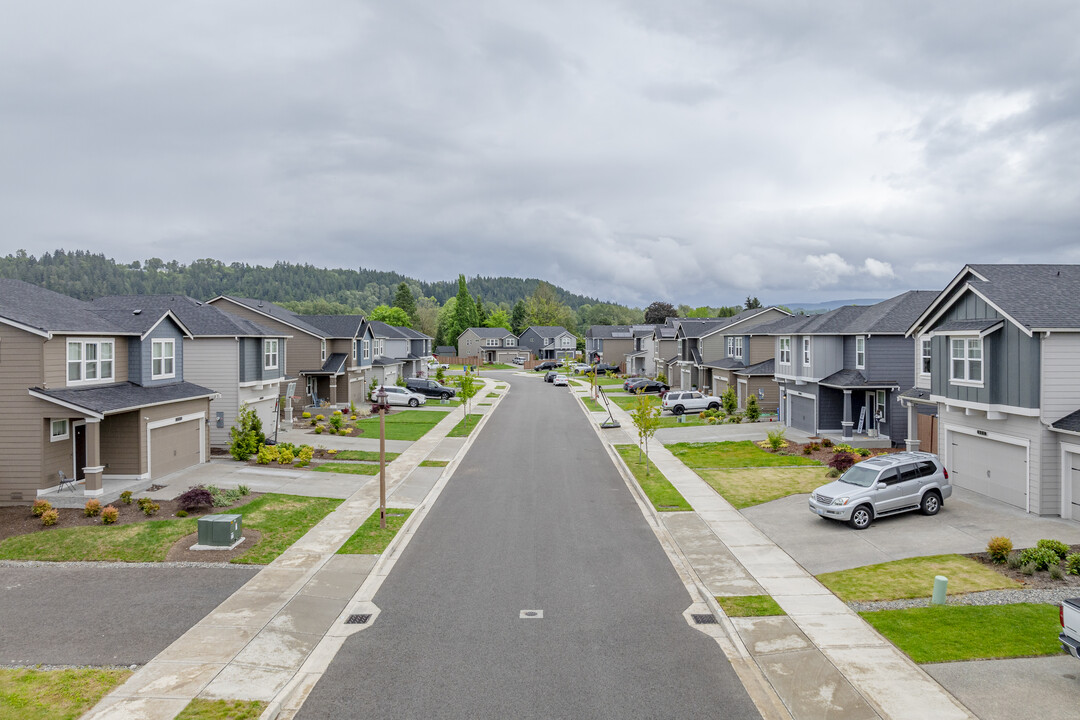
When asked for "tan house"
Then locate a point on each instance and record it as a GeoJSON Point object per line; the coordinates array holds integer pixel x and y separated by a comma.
{"type": "Point", "coordinates": [494, 345]}
{"type": "Point", "coordinates": [93, 394]}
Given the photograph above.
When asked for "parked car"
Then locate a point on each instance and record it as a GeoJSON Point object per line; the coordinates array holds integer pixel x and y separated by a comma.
{"type": "Point", "coordinates": [430, 388]}
{"type": "Point", "coordinates": [435, 365]}
{"type": "Point", "coordinates": [602, 369]}
{"type": "Point", "coordinates": [1069, 616]}
{"type": "Point", "coordinates": [518, 361]}
{"type": "Point", "coordinates": [884, 485]}
{"type": "Point", "coordinates": [649, 386]}
{"type": "Point", "coordinates": [580, 368]}
{"type": "Point", "coordinates": [547, 365]}
{"type": "Point", "coordinates": [689, 401]}
{"type": "Point", "coordinates": [550, 376]}
{"type": "Point", "coordinates": [631, 382]}
{"type": "Point", "coordinates": [400, 396]}
{"type": "Point", "coordinates": [561, 379]}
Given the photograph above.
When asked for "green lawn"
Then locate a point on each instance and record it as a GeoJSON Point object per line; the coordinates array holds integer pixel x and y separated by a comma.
{"type": "Point", "coordinates": [750, 606]}
{"type": "Point", "coordinates": [199, 709]}
{"type": "Point", "coordinates": [54, 694]}
{"type": "Point", "coordinates": [369, 538]}
{"type": "Point", "coordinates": [733, 455]}
{"type": "Point", "coordinates": [434, 463]}
{"type": "Point", "coordinates": [463, 428]}
{"type": "Point", "coordinates": [499, 366]}
{"type": "Point", "coordinates": [282, 519]}
{"type": "Point", "coordinates": [369, 455]}
{"type": "Point", "coordinates": [349, 468]}
{"type": "Point", "coordinates": [592, 405]}
{"type": "Point", "coordinates": [746, 487]}
{"type": "Point", "coordinates": [627, 402]}
{"type": "Point", "coordinates": [913, 578]}
{"type": "Point", "coordinates": [404, 425]}
{"type": "Point", "coordinates": [604, 380]}
{"type": "Point", "coordinates": [661, 493]}
{"type": "Point", "coordinates": [970, 632]}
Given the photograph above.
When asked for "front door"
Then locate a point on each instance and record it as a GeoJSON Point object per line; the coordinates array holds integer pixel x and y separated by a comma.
{"type": "Point", "coordinates": [871, 411]}
{"type": "Point", "coordinates": [80, 451]}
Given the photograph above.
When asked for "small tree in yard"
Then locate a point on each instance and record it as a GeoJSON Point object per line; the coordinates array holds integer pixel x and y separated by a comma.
{"type": "Point", "coordinates": [730, 400]}
{"type": "Point", "coordinates": [753, 411]}
{"type": "Point", "coordinates": [468, 390]}
{"type": "Point", "coordinates": [646, 417]}
{"type": "Point", "coordinates": [247, 434]}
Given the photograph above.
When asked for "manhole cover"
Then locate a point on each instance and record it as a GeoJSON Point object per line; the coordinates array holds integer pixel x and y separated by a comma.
{"type": "Point", "coordinates": [703, 619]}
{"type": "Point", "coordinates": [358, 619]}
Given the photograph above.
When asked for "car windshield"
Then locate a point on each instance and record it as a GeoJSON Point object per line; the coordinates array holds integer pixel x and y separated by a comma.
{"type": "Point", "coordinates": [861, 476]}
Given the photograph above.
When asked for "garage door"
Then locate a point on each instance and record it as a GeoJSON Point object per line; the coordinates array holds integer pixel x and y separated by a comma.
{"type": "Point", "coordinates": [174, 447]}
{"type": "Point", "coordinates": [989, 467]}
{"type": "Point", "coordinates": [802, 413]}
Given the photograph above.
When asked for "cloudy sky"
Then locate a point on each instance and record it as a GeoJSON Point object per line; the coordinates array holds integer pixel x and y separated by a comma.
{"type": "Point", "coordinates": [691, 150]}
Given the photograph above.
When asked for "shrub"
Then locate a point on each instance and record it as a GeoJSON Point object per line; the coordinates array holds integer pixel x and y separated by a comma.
{"type": "Point", "coordinates": [843, 447]}
{"type": "Point", "coordinates": [320, 418]}
{"type": "Point", "coordinates": [776, 439]}
{"type": "Point", "coordinates": [50, 517]}
{"type": "Point", "coordinates": [1040, 557]}
{"type": "Point", "coordinates": [125, 497]}
{"type": "Point", "coordinates": [41, 507]}
{"type": "Point", "coordinates": [807, 449]}
{"type": "Point", "coordinates": [753, 410]}
{"type": "Point", "coordinates": [734, 418]}
{"type": "Point", "coordinates": [1072, 563]}
{"type": "Point", "coordinates": [182, 513]}
{"type": "Point", "coordinates": [109, 514]}
{"type": "Point", "coordinates": [304, 455]}
{"type": "Point", "coordinates": [661, 377]}
{"type": "Point", "coordinates": [243, 489]}
{"type": "Point", "coordinates": [195, 497]}
{"type": "Point", "coordinates": [826, 443]}
{"type": "Point", "coordinates": [337, 422]}
{"type": "Point", "coordinates": [833, 473]}
{"type": "Point", "coordinates": [841, 461]}
{"type": "Point", "coordinates": [150, 509]}
{"type": "Point", "coordinates": [143, 502]}
{"type": "Point", "coordinates": [306, 415]}
{"type": "Point", "coordinates": [1056, 572]}
{"type": "Point", "coordinates": [863, 452]}
{"type": "Point", "coordinates": [285, 456]}
{"type": "Point", "coordinates": [268, 453]}
{"type": "Point", "coordinates": [729, 400]}
{"type": "Point", "coordinates": [1028, 569]}
{"type": "Point", "coordinates": [999, 548]}
{"type": "Point", "coordinates": [92, 508]}
{"type": "Point", "coordinates": [247, 434]}
{"type": "Point", "coordinates": [319, 430]}
{"type": "Point", "coordinates": [1056, 545]}
{"type": "Point", "coordinates": [1013, 561]}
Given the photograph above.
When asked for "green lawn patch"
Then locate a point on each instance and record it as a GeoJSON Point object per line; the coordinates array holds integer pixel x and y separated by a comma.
{"type": "Point", "coordinates": [746, 487]}
{"type": "Point", "coordinates": [913, 578]}
{"type": "Point", "coordinates": [501, 386]}
{"type": "Point", "coordinates": [368, 455]}
{"type": "Point", "coordinates": [282, 520]}
{"type": "Point", "coordinates": [370, 539]}
{"type": "Point", "coordinates": [27, 694]}
{"type": "Point", "coordinates": [733, 455]}
{"type": "Point", "coordinates": [661, 493]}
{"type": "Point", "coordinates": [627, 402]}
{"type": "Point", "coordinates": [348, 468]}
{"type": "Point", "coordinates": [434, 463]}
{"type": "Point", "coordinates": [970, 632]}
{"type": "Point", "coordinates": [592, 405]}
{"type": "Point", "coordinates": [405, 425]}
{"type": "Point", "coordinates": [199, 709]}
{"type": "Point", "coordinates": [463, 428]}
{"type": "Point", "coordinates": [500, 366]}
{"type": "Point", "coordinates": [609, 381]}
{"type": "Point", "coordinates": [672, 421]}
{"type": "Point", "coordinates": [750, 606]}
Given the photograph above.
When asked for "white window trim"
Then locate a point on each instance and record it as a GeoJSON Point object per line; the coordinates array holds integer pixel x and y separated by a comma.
{"type": "Point", "coordinates": [491, 342]}
{"type": "Point", "coordinates": [968, 344]}
{"type": "Point", "coordinates": [860, 341]}
{"type": "Point", "coordinates": [806, 352]}
{"type": "Point", "coordinates": [163, 375]}
{"type": "Point", "coordinates": [881, 400]}
{"type": "Point", "coordinates": [367, 349]}
{"type": "Point", "coordinates": [783, 354]}
{"type": "Point", "coordinates": [53, 437]}
{"type": "Point", "coordinates": [925, 353]}
{"type": "Point", "coordinates": [322, 349]}
{"type": "Point", "coordinates": [83, 342]}
{"type": "Point", "coordinates": [510, 342]}
{"type": "Point", "coordinates": [268, 354]}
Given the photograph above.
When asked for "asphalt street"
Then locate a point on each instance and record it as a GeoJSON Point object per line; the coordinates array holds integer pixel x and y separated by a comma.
{"type": "Point", "coordinates": [535, 518]}
{"type": "Point", "coordinates": [84, 614]}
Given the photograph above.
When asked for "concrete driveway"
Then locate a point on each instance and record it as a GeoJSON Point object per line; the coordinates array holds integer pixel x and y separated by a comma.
{"type": "Point", "coordinates": [965, 524]}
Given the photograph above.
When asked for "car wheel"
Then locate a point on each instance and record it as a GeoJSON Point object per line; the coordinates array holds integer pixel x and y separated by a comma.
{"type": "Point", "coordinates": [678, 410]}
{"type": "Point", "coordinates": [445, 396]}
{"type": "Point", "coordinates": [714, 406]}
{"type": "Point", "coordinates": [861, 517]}
{"type": "Point", "coordinates": [413, 402]}
{"type": "Point", "coordinates": [931, 503]}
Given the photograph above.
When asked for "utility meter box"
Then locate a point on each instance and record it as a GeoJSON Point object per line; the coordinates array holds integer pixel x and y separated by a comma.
{"type": "Point", "coordinates": [220, 530]}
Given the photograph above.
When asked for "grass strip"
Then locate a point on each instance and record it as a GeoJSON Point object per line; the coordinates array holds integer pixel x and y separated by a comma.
{"type": "Point", "coordinates": [282, 520]}
{"type": "Point", "coordinates": [750, 606]}
{"type": "Point", "coordinates": [370, 539]}
{"type": "Point", "coordinates": [913, 578]}
{"type": "Point", "coordinates": [199, 709]}
{"type": "Point", "coordinates": [626, 402]}
{"type": "Point", "coordinates": [592, 405]}
{"type": "Point", "coordinates": [406, 425]}
{"type": "Point", "coordinates": [368, 455]}
{"type": "Point", "coordinates": [27, 694]}
{"type": "Point", "coordinates": [434, 463]}
{"type": "Point", "coordinates": [661, 493]}
{"type": "Point", "coordinates": [499, 366]}
{"type": "Point", "coordinates": [733, 455]}
{"type": "Point", "coordinates": [463, 428]}
{"type": "Point", "coordinates": [348, 468]}
{"type": "Point", "coordinates": [748, 487]}
{"type": "Point", "coordinates": [970, 632]}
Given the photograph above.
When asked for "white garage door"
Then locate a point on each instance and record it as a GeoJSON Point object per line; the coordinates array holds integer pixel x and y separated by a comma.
{"type": "Point", "coordinates": [802, 413]}
{"type": "Point", "coordinates": [989, 467]}
{"type": "Point", "coordinates": [174, 447]}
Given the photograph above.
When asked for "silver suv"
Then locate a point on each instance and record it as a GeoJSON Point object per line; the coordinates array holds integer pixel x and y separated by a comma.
{"type": "Point", "coordinates": [884, 485]}
{"type": "Point", "coordinates": [680, 401]}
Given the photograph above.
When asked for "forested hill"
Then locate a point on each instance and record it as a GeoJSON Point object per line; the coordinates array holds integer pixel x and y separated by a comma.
{"type": "Point", "coordinates": [87, 275]}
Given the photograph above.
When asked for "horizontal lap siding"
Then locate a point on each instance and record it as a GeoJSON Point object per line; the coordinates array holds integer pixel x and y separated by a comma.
{"type": "Point", "coordinates": [1061, 375]}
{"type": "Point", "coordinates": [213, 363]}
{"type": "Point", "coordinates": [22, 425]}
{"type": "Point", "coordinates": [55, 359]}
{"type": "Point", "coordinates": [122, 446]}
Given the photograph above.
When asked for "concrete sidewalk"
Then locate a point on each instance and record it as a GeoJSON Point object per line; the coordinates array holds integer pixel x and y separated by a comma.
{"type": "Point", "coordinates": [821, 659]}
{"type": "Point", "coordinates": [253, 645]}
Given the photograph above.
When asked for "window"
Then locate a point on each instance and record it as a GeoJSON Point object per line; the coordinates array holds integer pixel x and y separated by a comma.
{"type": "Point", "coordinates": [58, 430]}
{"type": "Point", "coordinates": [881, 403]}
{"type": "Point", "coordinates": [322, 349]}
{"type": "Point", "coordinates": [567, 342]}
{"type": "Point", "coordinates": [162, 359]}
{"type": "Point", "coordinates": [548, 341]}
{"type": "Point", "coordinates": [924, 366]}
{"type": "Point", "coordinates": [784, 346]}
{"type": "Point", "coordinates": [806, 352]}
{"type": "Point", "coordinates": [889, 477]}
{"type": "Point", "coordinates": [734, 347]}
{"type": "Point", "coordinates": [510, 342]}
{"type": "Point", "coordinates": [377, 348]}
{"type": "Point", "coordinates": [967, 360]}
{"type": "Point", "coordinates": [89, 360]}
{"type": "Point", "coordinates": [491, 342]}
{"type": "Point", "coordinates": [367, 349]}
{"type": "Point", "coordinates": [860, 352]}
{"type": "Point", "coordinates": [270, 354]}
{"type": "Point", "coordinates": [355, 343]}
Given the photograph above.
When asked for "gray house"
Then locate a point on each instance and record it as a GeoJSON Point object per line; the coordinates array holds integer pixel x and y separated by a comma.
{"type": "Point", "coordinates": [998, 358]}
{"type": "Point", "coordinates": [493, 345]}
{"type": "Point", "coordinates": [549, 342]}
{"type": "Point", "coordinates": [840, 373]}
{"type": "Point", "coordinates": [399, 352]}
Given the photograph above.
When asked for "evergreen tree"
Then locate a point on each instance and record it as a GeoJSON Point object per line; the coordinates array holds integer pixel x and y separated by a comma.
{"type": "Point", "coordinates": [403, 299]}
{"type": "Point", "coordinates": [752, 303]}
{"type": "Point", "coordinates": [481, 313]}
{"type": "Point", "coordinates": [519, 318]}
{"type": "Point", "coordinates": [464, 311]}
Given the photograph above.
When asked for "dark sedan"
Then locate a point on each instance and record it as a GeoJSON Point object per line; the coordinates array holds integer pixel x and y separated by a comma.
{"type": "Point", "coordinates": [602, 369]}
{"type": "Point", "coordinates": [649, 386]}
{"type": "Point", "coordinates": [546, 365]}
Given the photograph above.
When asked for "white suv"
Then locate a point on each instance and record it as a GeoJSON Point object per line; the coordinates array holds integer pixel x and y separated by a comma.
{"type": "Point", "coordinates": [400, 396]}
{"type": "Point", "coordinates": [680, 401]}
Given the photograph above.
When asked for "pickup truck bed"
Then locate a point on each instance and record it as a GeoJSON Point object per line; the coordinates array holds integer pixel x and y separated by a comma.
{"type": "Point", "coordinates": [1070, 627]}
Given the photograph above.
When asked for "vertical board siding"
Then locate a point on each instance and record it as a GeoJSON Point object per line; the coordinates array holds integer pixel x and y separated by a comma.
{"type": "Point", "coordinates": [826, 355]}
{"type": "Point", "coordinates": [140, 355]}
{"type": "Point", "coordinates": [303, 349]}
{"type": "Point", "coordinates": [830, 408]}
{"type": "Point", "coordinates": [1060, 375]}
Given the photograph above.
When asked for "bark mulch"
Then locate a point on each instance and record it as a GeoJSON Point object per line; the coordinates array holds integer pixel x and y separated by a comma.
{"type": "Point", "coordinates": [180, 551]}
{"type": "Point", "coordinates": [1041, 578]}
{"type": "Point", "coordinates": [822, 454]}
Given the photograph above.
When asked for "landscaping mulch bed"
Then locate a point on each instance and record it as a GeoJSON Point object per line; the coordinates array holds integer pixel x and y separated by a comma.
{"type": "Point", "coordinates": [181, 552]}
{"type": "Point", "coordinates": [1040, 580]}
{"type": "Point", "coordinates": [822, 454]}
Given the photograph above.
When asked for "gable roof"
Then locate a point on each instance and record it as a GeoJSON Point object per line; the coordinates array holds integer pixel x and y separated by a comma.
{"type": "Point", "coordinates": [199, 318]}
{"type": "Point", "coordinates": [44, 312]}
{"type": "Point", "coordinates": [486, 332]}
{"type": "Point", "coordinates": [888, 317]}
{"type": "Point", "coordinates": [337, 326]}
{"type": "Point", "coordinates": [269, 309]}
{"type": "Point", "coordinates": [548, 330]}
{"type": "Point", "coordinates": [102, 400]}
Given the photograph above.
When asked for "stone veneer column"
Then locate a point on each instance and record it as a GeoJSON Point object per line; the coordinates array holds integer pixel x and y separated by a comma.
{"type": "Point", "coordinates": [94, 468]}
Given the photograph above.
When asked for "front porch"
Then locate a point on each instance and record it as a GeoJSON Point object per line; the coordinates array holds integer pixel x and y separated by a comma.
{"type": "Point", "coordinates": [858, 440]}
{"type": "Point", "coordinates": [109, 494]}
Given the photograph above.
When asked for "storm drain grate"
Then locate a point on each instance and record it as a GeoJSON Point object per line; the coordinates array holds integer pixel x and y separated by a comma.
{"type": "Point", "coordinates": [703, 619]}
{"type": "Point", "coordinates": [358, 619]}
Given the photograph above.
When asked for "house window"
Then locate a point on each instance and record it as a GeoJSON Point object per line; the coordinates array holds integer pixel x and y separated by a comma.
{"type": "Point", "coordinates": [355, 343]}
{"type": "Point", "coordinates": [924, 367]}
{"type": "Point", "coordinates": [881, 404]}
{"type": "Point", "coordinates": [967, 359]}
{"type": "Point", "coordinates": [162, 359]}
{"type": "Point", "coordinates": [548, 341]}
{"type": "Point", "coordinates": [377, 348]}
{"type": "Point", "coordinates": [367, 349]}
{"type": "Point", "coordinates": [734, 347]}
{"type": "Point", "coordinates": [491, 342]}
{"type": "Point", "coordinates": [58, 430]}
{"type": "Point", "coordinates": [510, 342]}
{"type": "Point", "coordinates": [89, 361]}
{"type": "Point", "coordinates": [270, 354]}
{"type": "Point", "coordinates": [567, 342]}
{"type": "Point", "coordinates": [860, 352]}
{"type": "Point", "coordinates": [806, 352]}
{"type": "Point", "coordinates": [322, 349]}
{"type": "Point", "coordinates": [784, 350]}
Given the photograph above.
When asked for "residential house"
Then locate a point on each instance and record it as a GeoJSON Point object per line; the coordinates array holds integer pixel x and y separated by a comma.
{"type": "Point", "coordinates": [626, 346]}
{"type": "Point", "coordinates": [400, 352]}
{"type": "Point", "coordinates": [549, 342]}
{"type": "Point", "coordinates": [665, 350]}
{"type": "Point", "coordinates": [733, 358]}
{"type": "Point", "coordinates": [641, 360]}
{"type": "Point", "coordinates": [998, 358]}
{"type": "Point", "coordinates": [445, 351]}
{"type": "Point", "coordinates": [92, 393]}
{"type": "Point", "coordinates": [242, 361]}
{"type": "Point", "coordinates": [840, 373]}
{"type": "Point", "coordinates": [346, 375]}
{"type": "Point", "coordinates": [494, 345]}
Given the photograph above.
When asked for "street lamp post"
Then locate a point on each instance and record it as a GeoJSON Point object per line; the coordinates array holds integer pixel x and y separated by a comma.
{"type": "Point", "coordinates": [381, 398]}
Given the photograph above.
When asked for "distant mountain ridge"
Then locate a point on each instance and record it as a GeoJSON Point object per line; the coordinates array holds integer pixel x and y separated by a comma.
{"type": "Point", "coordinates": [820, 307]}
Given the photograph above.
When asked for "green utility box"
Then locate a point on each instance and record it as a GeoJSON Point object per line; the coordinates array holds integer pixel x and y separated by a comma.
{"type": "Point", "coordinates": [219, 530]}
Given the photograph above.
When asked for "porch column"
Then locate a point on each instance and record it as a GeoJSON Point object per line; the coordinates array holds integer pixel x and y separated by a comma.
{"type": "Point", "coordinates": [333, 390]}
{"type": "Point", "coordinates": [94, 469]}
{"type": "Point", "coordinates": [911, 442]}
{"type": "Point", "coordinates": [847, 423]}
